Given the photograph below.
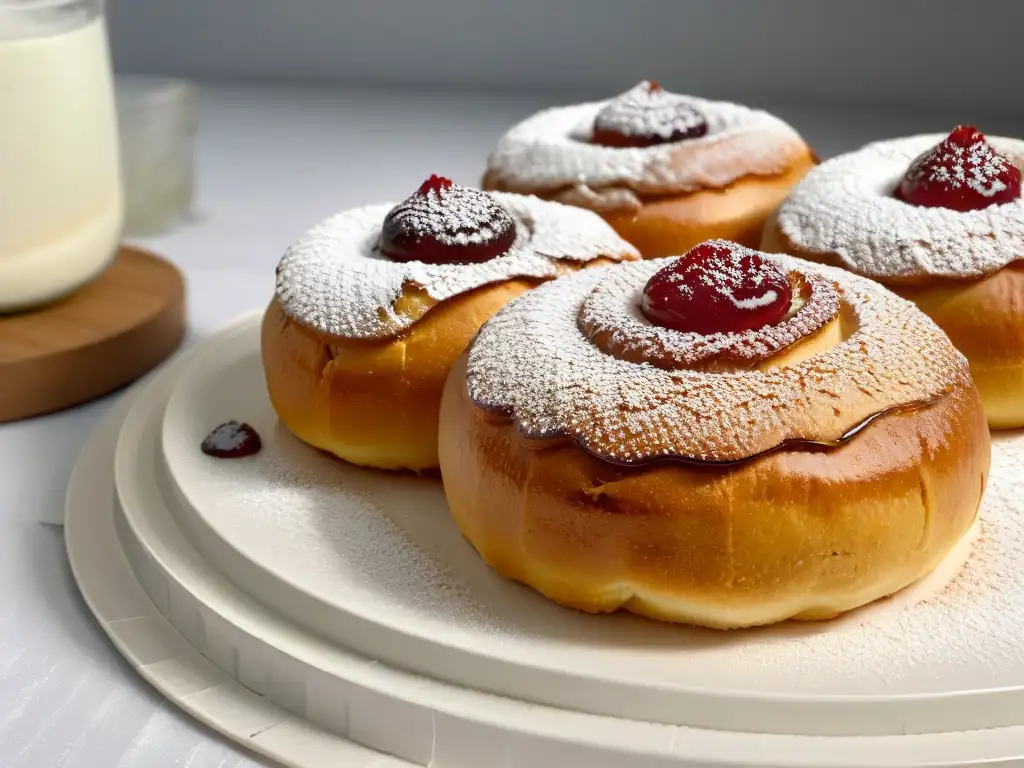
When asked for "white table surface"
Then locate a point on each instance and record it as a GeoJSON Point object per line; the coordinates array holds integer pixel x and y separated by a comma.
{"type": "Point", "coordinates": [271, 162]}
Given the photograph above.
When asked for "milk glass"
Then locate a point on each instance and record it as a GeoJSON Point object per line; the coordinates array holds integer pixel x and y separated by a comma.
{"type": "Point", "coordinates": [61, 203]}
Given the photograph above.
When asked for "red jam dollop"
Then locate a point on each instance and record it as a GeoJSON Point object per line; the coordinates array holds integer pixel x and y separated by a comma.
{"type": "Point", "coordinates": [444, 223]}
{"type": "Point", "coordinates": [717, 287]}
{"type": "Point", "coordinates": [232, 440]}
{"type": "Point", "coordinates": [963, 172]}
{"type": "Point", "coordinates": [646, 116]}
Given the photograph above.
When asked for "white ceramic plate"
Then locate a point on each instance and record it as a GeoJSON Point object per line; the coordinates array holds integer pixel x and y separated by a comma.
{"type": "Point", "coordinates": [356, 552]}
{"type": "Point", "coordinates": [154, 648]}
{"type": "Point", "coordinates": [373, 561]}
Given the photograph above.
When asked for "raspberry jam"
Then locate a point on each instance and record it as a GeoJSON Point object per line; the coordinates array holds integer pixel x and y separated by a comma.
{"type": "Point", "coordinates": [232, 440]}
{"type": "Point", "coordinates": [717, 287]}
{"type": "Point", "coordinates": [646, 116]}
{"type": "Point", "coordinates": [963, 172]}
{"type": "Point", "coordinates": [444, 223]}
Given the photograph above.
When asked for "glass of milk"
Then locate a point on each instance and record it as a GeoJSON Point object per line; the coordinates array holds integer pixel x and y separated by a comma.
{"type": "Point", "coordinates": [61, 204]}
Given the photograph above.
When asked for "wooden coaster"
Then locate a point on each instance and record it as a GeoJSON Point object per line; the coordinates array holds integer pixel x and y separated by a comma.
{"type": "Point", "coordinates": [100, 338]}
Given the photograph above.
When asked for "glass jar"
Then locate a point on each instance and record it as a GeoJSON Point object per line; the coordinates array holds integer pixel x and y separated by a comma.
{"type": "Point", "coordinates": [61, 203]}
{"type": "Point", "coordinates": [157, 121]}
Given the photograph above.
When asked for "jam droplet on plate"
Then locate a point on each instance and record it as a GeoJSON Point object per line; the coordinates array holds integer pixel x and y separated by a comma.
{"type": "Point", "coordinates": [963, 172]}
{"type": "Point", "coordinates": [444, 223]}
{"type": "Point", "coordinates": [232, 440]}
{"type": "Point", "coordinates": [717, 287]}
{"type": "Point", "coordinates": [646, 116]}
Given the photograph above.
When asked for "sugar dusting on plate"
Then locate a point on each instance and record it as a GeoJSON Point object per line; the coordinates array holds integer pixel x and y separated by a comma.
{"type": "Point", "coordinates": [350, 533]}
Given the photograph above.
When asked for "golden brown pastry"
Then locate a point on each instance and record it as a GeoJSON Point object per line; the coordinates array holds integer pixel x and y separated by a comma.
{"type": "Point", "coordinates": [725, 439]}
{"type": "Point", "coordinates": [374, 305]}
{"type": "Point", "coordinates": [940, 221]}
{"type": "Point", "coordinates": [666, 171]}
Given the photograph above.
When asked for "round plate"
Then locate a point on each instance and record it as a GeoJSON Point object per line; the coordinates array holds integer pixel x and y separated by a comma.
{"type": "Point", "coordinates": [154, 648]}
{"type": "Point", "coordinates": [371, 560]}
{"type": "Point", "coordinates": [142, 576]}
{"type": "Point", "coordinates": [101, 337]}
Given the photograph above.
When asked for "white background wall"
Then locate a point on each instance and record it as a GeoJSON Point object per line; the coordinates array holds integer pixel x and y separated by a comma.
{"type": "Point", "coordinates": [959, 54]}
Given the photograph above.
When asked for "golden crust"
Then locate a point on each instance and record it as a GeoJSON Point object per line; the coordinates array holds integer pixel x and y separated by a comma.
{"type": "Point", "coordinates": [984, 318]}
{"type": "Point", "coordinates": [374, 402]}
{"type": "Point", "coordinates": [533, 362]}
{"type": "Point", "coordinates": [671, 225]}
{"type": "Point", "coordinates": [793, 534]}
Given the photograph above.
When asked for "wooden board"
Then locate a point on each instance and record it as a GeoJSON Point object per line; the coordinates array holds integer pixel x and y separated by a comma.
{"type": "Point", "coordinates": [102, 337]}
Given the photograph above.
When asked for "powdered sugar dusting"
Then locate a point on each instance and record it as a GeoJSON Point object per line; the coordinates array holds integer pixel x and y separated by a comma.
{"type": "Point", "coordinates": [611, 318]}
{"type": "Point", "coordinates": [534, 362]}
{"type": "Point", "coordinates": [768, 297]}
{"type": "Point", "coordinates": [335, 281]}
{"type": "Point", "coordinates": [453, 215]}
{"type": "Point", "coordinates": [846, 207]}
{"type": "Point", "coordinates": [716, 287]}
{"type": "Point", "coordinates": [972, 626]}
{"type": "Point", "coordinates": [727, 272]}
{"type": "Point", "coordinates": [356, 523]}
{"type": "Point", "coordinates": [344, 535]}
{"type": "Point", "coordinates": [647, 110]}
{"type": "Point", "coordinates": [977, 167]}
{"type": "Point", "coordinates": [352, 537]}
{"type": "Point", "coordinates": [551, 151]}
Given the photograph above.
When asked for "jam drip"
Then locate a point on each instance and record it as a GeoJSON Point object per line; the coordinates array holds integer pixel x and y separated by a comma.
{"type": "Point", "coordinates": [717, 287]}
{"type": "Point", "coordinates": [963, 172]}
{"type": "Point", "coordinates": [232, 440]}
{"type": "Point", "coordinates": [647, 116]}
{"type": "Point", "coordinates": [791, 444]}
{"type": "Point", "coordinates": [444, 223]}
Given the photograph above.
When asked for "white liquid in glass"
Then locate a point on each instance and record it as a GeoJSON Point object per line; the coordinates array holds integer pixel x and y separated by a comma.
{"type": "Point", "coordinates": [61, 204]}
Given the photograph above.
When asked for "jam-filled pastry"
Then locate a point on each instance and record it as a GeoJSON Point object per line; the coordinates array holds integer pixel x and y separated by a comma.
{"type": "Point", "coordinates": [728, 439]}
{"type": "Point", "coordinates": [940, 221]}
{"type": "Point", "coordinates": [374, 305]}
{"type": "Point", "coordinates": [666, 171]}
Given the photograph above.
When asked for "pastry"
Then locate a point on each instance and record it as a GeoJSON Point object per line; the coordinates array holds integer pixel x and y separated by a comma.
{"type": "Point", "coordinates": [940, 221]}
{"type": "Point", "coordinates": [374, 305]}
{"type": "Point", "coordinates": [666, 171]}
{"type": "Point", "coordinates": [725, 439]}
